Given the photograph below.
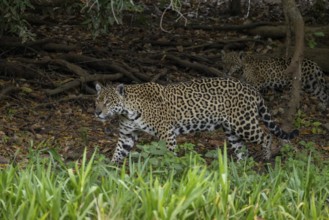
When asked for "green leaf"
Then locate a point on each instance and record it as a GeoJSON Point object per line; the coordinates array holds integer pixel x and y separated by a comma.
{"type": "Point", "coordinates": [212, 154]}
{"type": "Point", "coordinates": [155, 151]}
{"type": "Point", "coordinates": [319, 34]}
{"type": "Point", "coordinates": [317, 123]}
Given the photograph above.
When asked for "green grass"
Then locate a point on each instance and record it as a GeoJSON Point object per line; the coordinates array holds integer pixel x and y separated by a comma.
{"type": "Point", "coordinates": [158, 185]}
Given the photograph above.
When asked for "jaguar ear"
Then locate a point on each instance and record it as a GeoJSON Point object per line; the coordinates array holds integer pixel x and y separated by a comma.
{"type": "Point", "coordinates": [98, 87]}
{"type": "Point", "coordinates": [120, 89]}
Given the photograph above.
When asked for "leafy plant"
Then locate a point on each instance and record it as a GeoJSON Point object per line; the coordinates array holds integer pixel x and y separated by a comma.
{"type": "Point", "coordinates": [83, 131]}
{"type": "Point", "coordinates": [93, 189]}
{"type": "Point", "coordinates": [11, 112]}
{"type": "Point", "coordinates": [13, 20]}
{"type": "Point", "coordinates": [311, 39]}
{"type": "Point", "coordinates": [4, 138]}
{"type": "Point", "coordinates": [101, 14]}
{"type": "Point", "coordinates": [298, 157]}
{"type": "Point", "coordinates": [164, 161]}
{"type": "Point", "coordinates": [303, 121]}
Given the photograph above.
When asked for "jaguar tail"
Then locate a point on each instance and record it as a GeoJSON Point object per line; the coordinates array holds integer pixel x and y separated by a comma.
{"type": "Point", "coordinates": [272, 126]}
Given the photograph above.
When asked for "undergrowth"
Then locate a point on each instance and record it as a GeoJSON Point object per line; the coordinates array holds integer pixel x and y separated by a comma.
{"type": "Point", "coordinates": [154, 184]}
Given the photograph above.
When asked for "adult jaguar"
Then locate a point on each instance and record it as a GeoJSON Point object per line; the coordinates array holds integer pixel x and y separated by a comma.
{"type": "Point", "coordinates": [197, 105]}
{"type": "Point", "coordinates": [269, 73]}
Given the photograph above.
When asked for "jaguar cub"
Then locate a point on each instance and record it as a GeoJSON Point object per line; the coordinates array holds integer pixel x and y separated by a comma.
{"type": "Point", "coordinates": [198, 105]}
{"type": "Point", "coordinates": [269, 73]}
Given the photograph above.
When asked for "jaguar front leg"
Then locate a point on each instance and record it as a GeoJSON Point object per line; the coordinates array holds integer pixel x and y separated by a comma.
{"type": "Point", "coordinates": [170, 138]}
{"type": "Point", "coordinates": [238, 146]}
{"type": "Point", "coordinates": [126, 141]}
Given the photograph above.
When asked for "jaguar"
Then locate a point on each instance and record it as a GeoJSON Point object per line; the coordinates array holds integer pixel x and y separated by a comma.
{"type": "Point", "coordinates": [205, 104]}
{"type": "Point", "coordinates": [269, 73]}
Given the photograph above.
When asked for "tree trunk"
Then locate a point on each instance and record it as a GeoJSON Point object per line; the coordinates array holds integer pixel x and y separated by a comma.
{"type": "Point", "coordinates": [295, 19]}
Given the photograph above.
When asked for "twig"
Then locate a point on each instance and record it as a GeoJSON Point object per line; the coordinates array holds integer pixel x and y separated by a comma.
{"type": "Point", "coordinates": [174, 8]}
{"type": "Point", "coordinates": [247, 15]}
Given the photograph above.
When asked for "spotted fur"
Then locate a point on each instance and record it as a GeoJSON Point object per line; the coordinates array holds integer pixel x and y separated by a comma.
{"type": "Point", "coordinates": [198, 105]}
{"type": "Point", "coordinates": [269, 73]}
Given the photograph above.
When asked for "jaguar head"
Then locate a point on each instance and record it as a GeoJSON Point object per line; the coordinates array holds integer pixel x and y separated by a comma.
{"type": "Point", "coordinates": [109, 101]}
{"type": "Point", "coordinates": [232, 62]}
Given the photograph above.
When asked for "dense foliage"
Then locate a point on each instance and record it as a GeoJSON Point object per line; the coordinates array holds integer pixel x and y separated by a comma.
{"type": "Point", "coordinates": [13, 20]}
{"type": "Point", "coordinates": [97, 15]}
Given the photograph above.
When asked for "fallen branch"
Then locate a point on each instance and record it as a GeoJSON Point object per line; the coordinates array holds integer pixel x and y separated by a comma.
{"type": "Point", "coordinates": [47, 44]}
{"type": "Point", "coordinates": [219, 44]}
{"type": "Point", "coordinates": [197, 66]}
{"type": "Point", "coordinates": [8, 42]}
{"type": "Point", "coordinates": [70, 66]}
{"type": "Point", "coordinates": [84, 76]}
{"type": "Point", "coordinates": [225, 27]}
{"type": "Point", "coordinates": [63, 63]}
{"type": "Point", "coordinates": [59, 47]}
{"type": "Point", "coordinates": [81, 80]}
{"type": "Point", "coordinates": [7, 89]}
{"type": "Point", "coordinates": [197, 58]}
{"type": "Point", "coordinates": [279, 31]}
{"type": "Point", "coordinates": [98, 64]}
{"type": "Point", "coordinates": [166, 43]}
{"type": "Point", "coordinates": [17, 69]}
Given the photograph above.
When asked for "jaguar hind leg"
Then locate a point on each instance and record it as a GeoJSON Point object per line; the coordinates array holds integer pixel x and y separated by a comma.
{"type": "Point", "coordinates": [254, 134]}
{"type": "Point", "coordinates": [264, 139]}
{"type": "Point", "coordinates": [266, 146]}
